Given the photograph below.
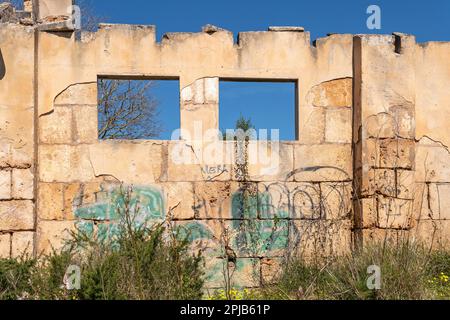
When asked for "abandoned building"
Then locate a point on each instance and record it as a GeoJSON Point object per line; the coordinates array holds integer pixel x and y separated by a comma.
{"type": "Point", "coordinates": [370, 162]}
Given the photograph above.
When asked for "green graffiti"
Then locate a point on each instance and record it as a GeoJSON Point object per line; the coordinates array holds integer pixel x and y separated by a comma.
{"type": "Point", "coordinates": [258, 227]}
{"type": "Point", "coordinates": [258, 236]}
{"type": "Point", "coordinates": [268, 210]}
{"type": "Point", "coordinates": [244, 206]}
{"type": "Point", "coordinates": [145, 204]}
{"type": "Point", "coordinates": [146, 201]}
{"type": "Point", "coordinates": [87, 227]}
{"type": "Point", "coordinates": [193, 231]}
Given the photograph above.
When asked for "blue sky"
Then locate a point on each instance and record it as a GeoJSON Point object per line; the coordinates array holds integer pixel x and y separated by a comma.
{"type": "Point", "coordinates": [427, 20]}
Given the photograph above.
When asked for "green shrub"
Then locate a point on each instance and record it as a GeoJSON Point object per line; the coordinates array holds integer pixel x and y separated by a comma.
{"type": "Point", "coordinates": [15, 275]}
{"type": "Point", "coordinates": [408, 271]}
{"type": "Point", "coordinates": [144, 265]}
{"type": "Point", "coordinates": [140, 261]}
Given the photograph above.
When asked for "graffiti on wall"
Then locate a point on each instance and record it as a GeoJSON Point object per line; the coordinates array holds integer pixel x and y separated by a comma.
{"type": "Point", "coordinates": [262, 224]}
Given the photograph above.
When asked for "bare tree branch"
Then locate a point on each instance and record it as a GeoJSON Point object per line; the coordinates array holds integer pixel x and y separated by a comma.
{"type": "Point", "coordinates": [89, 19]}
{"type": "Point", "coordinates": [127, 110]}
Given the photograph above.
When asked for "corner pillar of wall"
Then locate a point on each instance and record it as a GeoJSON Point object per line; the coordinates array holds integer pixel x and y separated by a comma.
{"type": "Point", "coordinates": [383, 135]}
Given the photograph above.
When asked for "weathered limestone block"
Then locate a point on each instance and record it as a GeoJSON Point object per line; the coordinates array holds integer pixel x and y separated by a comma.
{"type": "Point", "coordinates": [312, 130]}
{"type": "Point", "coordinates": [5, 245]}
{"type": "Point", "coordinates": [389, 153]}
{"type": "Point", "coordinates": [179, 200]}
{"type": "Point", "coordinates": [16, 95]}
{"type": "Point", "coordinates": [85, 124]}
{"type": "Point", "coordinates": [78, 94]}
{"type": "Point", "coordinates": [433, 233]}
{"type": "Point", "coordinates": [394, 213]}
{"type": "Point", "coordinates": [79, 194]}
{"type": "Point", "coordinates": [143, 163]}
{"type": "Point", "coordinates": [320, 239]}
{"type": "Point", "coordinates": [50, 201]}
{"type": "Point", "coordinates": [200, 162]}
{"type": "Point", "coordinates": [372, 237]}
{"type": "Point", "coordinates": [432, 163]}
{"type": "Point", "coordinates": [333, 93]}
{"type": "Point", "coordinates": [5, 184]}
{"type": "Point", "coordinates": [214, 199]}
{"type": "Point", "coordinates": [382, 181]}
{"type": "Point", "coordinates": [187, 94]}
{"type": "Point", "coordinates": [275, 200]}
{"type": "Point", "coordinates": [336, 200]}
{"type": "Point", "coordinates": [208, 236]}
{"type": "Point", "coordinates": [271, 269]}
{"type": "Point", "coordinates": [420, 201]}
{"type": "Point", "coordinates": [270, 161]}
{"type": "Point", "coordinates": [405, 184]}
{"type": "Point", "coordinates": [199, 93]}
{"type": "Point", "coordinates": [52, 235]}
{"type": "Point", "coordinates": [338, 125]}
{"type": "Point", "coordinates": [22, 184]}
{"type": "Point", "coordinates": [404, 121]}
{"type": "Point", "coordinates": [380, 126]}
{"type": "Point", "coordinates": [199, 111]}
{"type": "Point", "coordinates": [245, 201]}
{"type": "Point", "coordinates": [56, 163]}
{"type": "Point", "coordinates": [12, 156]}
{"type": "Point", "coordinates": [432, 201]}
{"type": "Point", "coordinates": [245, 273]}
{"type": "Point", "coordinates": [289, 200]}
{"type": "Point", "coordinates": [22, 244]}
{"type": "Point", "coordinates": [325, 162]}
{"type": "Point", "coordinates": [397, 153]}
{"type": "Point", "coordinates": [398, 123]}
{"type": "Point", "coordinates": [205, 90]}
{"type": "Point", "coordinates": [260, 238]}
{"type": "Point", "coordinates": [444, 201]}
{"type": "Point", "coordinates": [211, 87]}
{"type": "Point", "coordinates": [305, 200]}
{"type": "Point", "coordinates": [16, 215]}
{"type": "Point", "coordinates": [56, 127]}
{"type": "Point", "coordinates": [286, 29]}
{"type": "Point", "coordinates": [247, 238]}
{"type": "Point", "coordinates": [199, 121]}
{"type": "Point", "coordinates": [63, 163]}
{"type": "Point", "coordinates": [369, 208]}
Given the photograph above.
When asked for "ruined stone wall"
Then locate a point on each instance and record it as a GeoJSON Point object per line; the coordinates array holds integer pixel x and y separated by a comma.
{"type": "Point", "coordinates": [17, 141]}
{"type": "Point", "coordinates": [365, 108]}
{"type": "Point", "coordinates": [401, 135]}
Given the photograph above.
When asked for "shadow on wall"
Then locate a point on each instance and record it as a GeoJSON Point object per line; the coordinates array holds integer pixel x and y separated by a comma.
{"type": "Point", "coordinates": [2, 66]}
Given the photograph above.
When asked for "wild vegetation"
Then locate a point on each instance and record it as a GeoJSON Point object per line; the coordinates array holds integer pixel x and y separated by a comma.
{"type": "Point", "coordinates": [138, 261]}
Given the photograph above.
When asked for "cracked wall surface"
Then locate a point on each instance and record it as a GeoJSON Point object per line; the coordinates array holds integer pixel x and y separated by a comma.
{"type": "Point", "coordinates": [401, 119]}
{"type": "Point", "coordinates": [371, 159]}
